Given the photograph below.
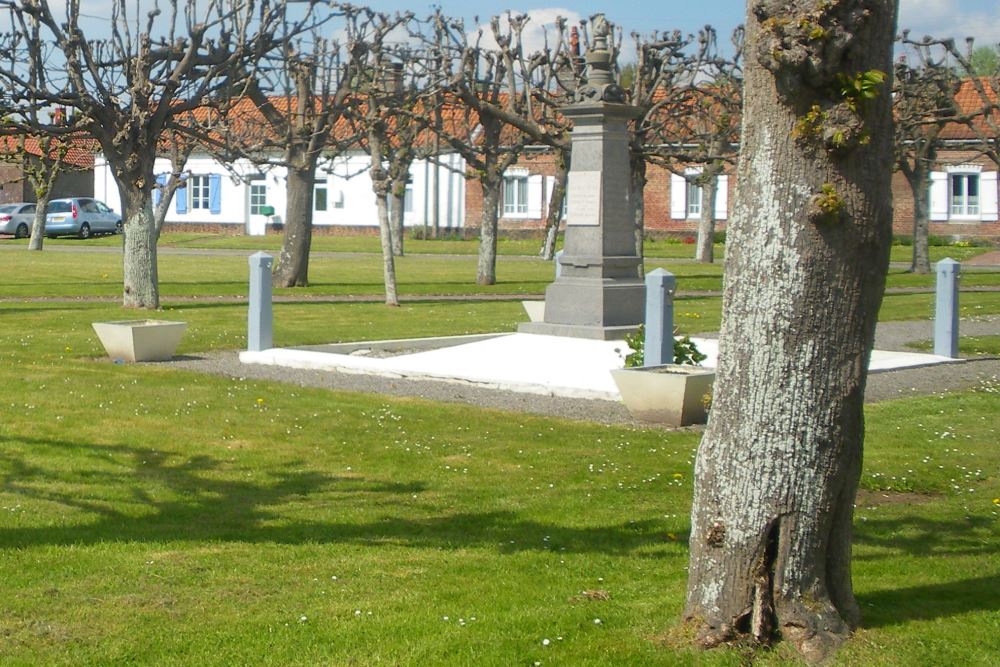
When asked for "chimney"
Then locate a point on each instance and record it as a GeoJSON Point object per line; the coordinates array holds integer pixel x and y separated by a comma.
{"type": "Point", "coordinates": [59, 116]}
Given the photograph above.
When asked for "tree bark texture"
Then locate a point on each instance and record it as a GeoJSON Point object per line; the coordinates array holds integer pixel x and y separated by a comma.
{"type": "Point", "coordinates": [920, 183]}
{"type": "Point", "coordinates": [396, 220]}
{"type": "Point", "coordinates": [38, 223]}
{"type": "Point", "coordinates": [486, 272]}
{"type": "Point", "coordinates": [808, 248]}
{"type": "Point", "coordinates": [388, 262]}
{"type": "Point", "coordinates": [292, 268]}
{"type": "Point", "coordinates": [705, 248]}
{"type": "Point", "coordinates": [637, 186]}
{"type": "Point", "coordinates": [556, 201]}
{"type": "Point", "coordinates": [139, 261]}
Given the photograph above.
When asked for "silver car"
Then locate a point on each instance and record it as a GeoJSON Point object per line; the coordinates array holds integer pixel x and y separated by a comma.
{"type": "Point", "coordinates": [16, 219]}
{"type": "Point", "coordinates": [81, 217]}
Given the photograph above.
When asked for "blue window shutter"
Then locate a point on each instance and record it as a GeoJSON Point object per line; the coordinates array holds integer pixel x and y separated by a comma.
{"type": "Point", "coordinates": [215, 193]}
{"type": "Point", "coordinates": [181, 198]}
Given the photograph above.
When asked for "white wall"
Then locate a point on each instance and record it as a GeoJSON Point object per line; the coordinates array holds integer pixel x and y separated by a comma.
{"type": "Point", "coordinates": [346, 179]}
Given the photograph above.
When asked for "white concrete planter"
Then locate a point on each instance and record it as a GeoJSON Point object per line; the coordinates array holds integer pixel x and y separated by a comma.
{"type": "Point", "coordinates": [535, 310]}
{"type": "Point", "coordinates": [669, 394]}
{"type": "Point", "coordinates": [140, 340]}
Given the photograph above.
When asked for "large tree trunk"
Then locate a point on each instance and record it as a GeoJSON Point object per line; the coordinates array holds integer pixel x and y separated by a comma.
{"type": "Point", "coordinates": [778, 467]}
{"type": "Point", "coordinates": [139, 261]}
{"type": "Point", "coordinates": [919, 180]}
{"type": "Point", "coordinates": [292, 269]}
{"type": "Point", "coordinates": [388, 263]}
{"type": "Point", "coordinates": [705, 249]}
{"type": "Point", "coordinates": [38, 223]}
{"type": "Point", "coordinates": [486, 273]}
{"type": "Point", "coordinates": [556, 201]}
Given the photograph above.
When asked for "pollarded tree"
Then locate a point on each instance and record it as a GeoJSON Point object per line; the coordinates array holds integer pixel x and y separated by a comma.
{"type": "Point", "coordinates": [129, 88]}
{"type": "Point", "coordinates": [485, 88]}
{"type": "Point", "coordinates": [778, 467]}
{"type": "Point", "coordinates": [695, 133]}
{"type": "Point", "coordinates": [924, 105]}
{"type": "Point", "coordinates": [301, 94]}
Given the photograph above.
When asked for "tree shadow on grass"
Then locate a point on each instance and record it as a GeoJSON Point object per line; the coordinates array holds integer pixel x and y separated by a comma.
{"type": "Point", "coordinates": [928, 602]}
{"type": "Point", "coordinates": [920, 536]}
{"type": "Point", "coordinates": [136, 494]}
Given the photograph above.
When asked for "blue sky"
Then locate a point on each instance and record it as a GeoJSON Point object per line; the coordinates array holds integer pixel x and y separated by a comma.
{"type": "Point", "coordinates": [940, 18]}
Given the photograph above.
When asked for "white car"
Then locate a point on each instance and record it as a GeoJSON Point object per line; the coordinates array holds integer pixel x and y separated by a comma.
{"type": "Point", "coordinates": [16, 219]}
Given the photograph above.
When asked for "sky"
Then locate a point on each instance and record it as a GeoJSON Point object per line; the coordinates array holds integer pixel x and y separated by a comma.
{"type": "Point", "coordinates": [940, 18]}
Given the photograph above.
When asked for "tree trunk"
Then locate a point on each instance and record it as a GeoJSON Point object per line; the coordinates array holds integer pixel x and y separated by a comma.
{"type": "Point", "coordinates": [486, 273]}
{"type": "Point", "coordinates": [388, 263]}
{"type": "Point", "coordinates": [778, 467]}
{"type": "Point", "coordinates": [398, 212]}
{"type": "Point", "coordinates": [636, 187]}
{"type": "Point", "coordinates": [919, 181]}
{"type": "Point", "coordinates": [556, 202]}
{"type": "Point", "coordinates": [705, 250]}
{"type": "Point", "coordinates": [139, 261]}
{"type": "Point", "coordinates": [292, 269]}
{"type": "Point", "coordinates": [38, 223]}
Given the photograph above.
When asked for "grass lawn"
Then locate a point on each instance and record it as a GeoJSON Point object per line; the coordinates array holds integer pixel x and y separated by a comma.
{"type": "Point", "coordinates": [155, 516]}
{"type": "Point", "coordinates": [968, 346]}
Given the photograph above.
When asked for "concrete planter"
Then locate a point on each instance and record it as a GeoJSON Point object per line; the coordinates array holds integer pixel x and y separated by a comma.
{"type": "Point", "coordinates": [140, 340]}
{"type": "Point", "coordinates": [669, 394]}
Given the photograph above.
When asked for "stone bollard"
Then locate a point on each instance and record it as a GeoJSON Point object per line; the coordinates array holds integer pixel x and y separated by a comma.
{"type": "Point", "coordinates": [659, 345]}
{"type": "Point", "coordinates": [558, 258]}
{"type": "Point", "coordinates": [259, 320]}
{"type": "Point", "coordinates": [946, 308]}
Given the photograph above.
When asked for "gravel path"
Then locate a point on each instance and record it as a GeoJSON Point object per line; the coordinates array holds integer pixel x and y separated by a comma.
{"type": "Point", "coordinates": [881, 386]}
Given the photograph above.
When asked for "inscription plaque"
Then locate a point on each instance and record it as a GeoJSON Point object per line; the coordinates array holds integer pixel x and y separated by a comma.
{"type": "Point", "coordinates": [584, 195]}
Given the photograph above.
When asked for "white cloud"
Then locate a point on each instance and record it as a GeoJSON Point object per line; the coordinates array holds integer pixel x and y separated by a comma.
{"type": "Point", "coordinates": [951, 18]}
{"type": "Point", "coordinates": [541, 26]}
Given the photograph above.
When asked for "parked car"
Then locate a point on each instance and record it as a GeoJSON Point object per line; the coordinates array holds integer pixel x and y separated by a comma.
{"type": "Point", "coordinates": [82, 217]}
{"type": "Point", "coordinates": [16, 219]}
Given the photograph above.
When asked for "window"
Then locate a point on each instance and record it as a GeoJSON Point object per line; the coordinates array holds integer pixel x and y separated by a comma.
{"type": "Point", "coordinates": [258, 197]}
{"type": "Point", "coordinates": [198, 189]}
{"type": "Point", "coordinates": [408, 200]}
{"type": "Point", "coordinates": [964, 194]}
{"type": "Point", "coordinates": [319, 198]}
{"type": "Point", "coordinates": [515, 195]}
{"type": "Point", "coordinates": [338, 199]}
{"type": "Point", "coordinates": [693, 200]}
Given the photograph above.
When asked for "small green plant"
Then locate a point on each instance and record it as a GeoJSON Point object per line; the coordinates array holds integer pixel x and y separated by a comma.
{"type": "Point", "coordinates": [685, 350]}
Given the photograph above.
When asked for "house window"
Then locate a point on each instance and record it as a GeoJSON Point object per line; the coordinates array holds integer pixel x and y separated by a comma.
{"type": "Point", "coordinates": [515, 195]}
{"type": "Point", "coordinates": [338, 199]}
{"type": "Point", "coordinates": [198, 189]}
{"type": "Point", "coordinates": [964, 195]}
{"type": "Point", "coordinates": [319, 198]}
{"type": "Point", "coordinates": [693, 200]}
{"type": "Point", "coordinates": [258, 197]}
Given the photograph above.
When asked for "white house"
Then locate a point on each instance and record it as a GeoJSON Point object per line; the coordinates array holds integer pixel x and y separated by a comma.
{"type": "Point", "coordinates": [220, 196]}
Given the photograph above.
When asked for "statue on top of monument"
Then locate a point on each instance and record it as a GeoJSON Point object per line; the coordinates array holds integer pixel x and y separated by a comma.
{"type": "Point", "coordinates": [600, 85]}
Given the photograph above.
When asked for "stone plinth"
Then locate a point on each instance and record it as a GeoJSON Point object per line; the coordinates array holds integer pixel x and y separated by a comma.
{"type": "Point", "coordinates": [598, 292]}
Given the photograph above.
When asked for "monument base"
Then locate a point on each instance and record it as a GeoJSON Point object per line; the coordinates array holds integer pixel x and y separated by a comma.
{"type": "Point", "coordinates": [591, 332]}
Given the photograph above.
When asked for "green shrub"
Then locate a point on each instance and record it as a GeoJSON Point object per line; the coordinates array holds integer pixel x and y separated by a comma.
{"type": "Point", "coordinates": [685, 351]}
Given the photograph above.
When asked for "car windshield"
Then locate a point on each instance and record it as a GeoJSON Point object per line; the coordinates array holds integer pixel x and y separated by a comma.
{"type": "Point", "coordinates": [59, 207]}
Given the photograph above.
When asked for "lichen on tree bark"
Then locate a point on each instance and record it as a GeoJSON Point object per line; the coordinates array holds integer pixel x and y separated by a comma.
{"type": "Point", "coordinates": [778, 468]}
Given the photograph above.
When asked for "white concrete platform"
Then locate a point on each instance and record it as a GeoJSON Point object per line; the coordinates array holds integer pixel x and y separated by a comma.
{"type": "Point", "coordinates": [527, 363]}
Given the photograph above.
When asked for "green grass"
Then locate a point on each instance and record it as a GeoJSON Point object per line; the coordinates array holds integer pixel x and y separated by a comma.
{"type": "Point", "coordinates": [968, 346]}
{"type": "Point", "coordinates": [156, 516]}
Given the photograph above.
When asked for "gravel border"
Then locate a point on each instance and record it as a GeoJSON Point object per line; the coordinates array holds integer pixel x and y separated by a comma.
{"type": "Point", "coordinates": [881, 386]}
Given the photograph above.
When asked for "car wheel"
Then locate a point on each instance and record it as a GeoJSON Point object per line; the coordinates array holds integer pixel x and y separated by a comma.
{"type": "Point", "coordinates": [119, 227]}
{"type": "Point", "coordinates": [84, 231]}
{"type": "Point", "coordinates": [21, 232]}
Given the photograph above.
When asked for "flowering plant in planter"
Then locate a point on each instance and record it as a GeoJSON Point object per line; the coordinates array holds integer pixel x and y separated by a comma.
{"type": "Point", "coordinates": [685, 351]}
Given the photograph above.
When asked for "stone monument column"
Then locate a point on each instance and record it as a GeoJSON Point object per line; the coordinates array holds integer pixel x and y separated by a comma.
{"type": "Point", "coordinates": [598, 292]}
